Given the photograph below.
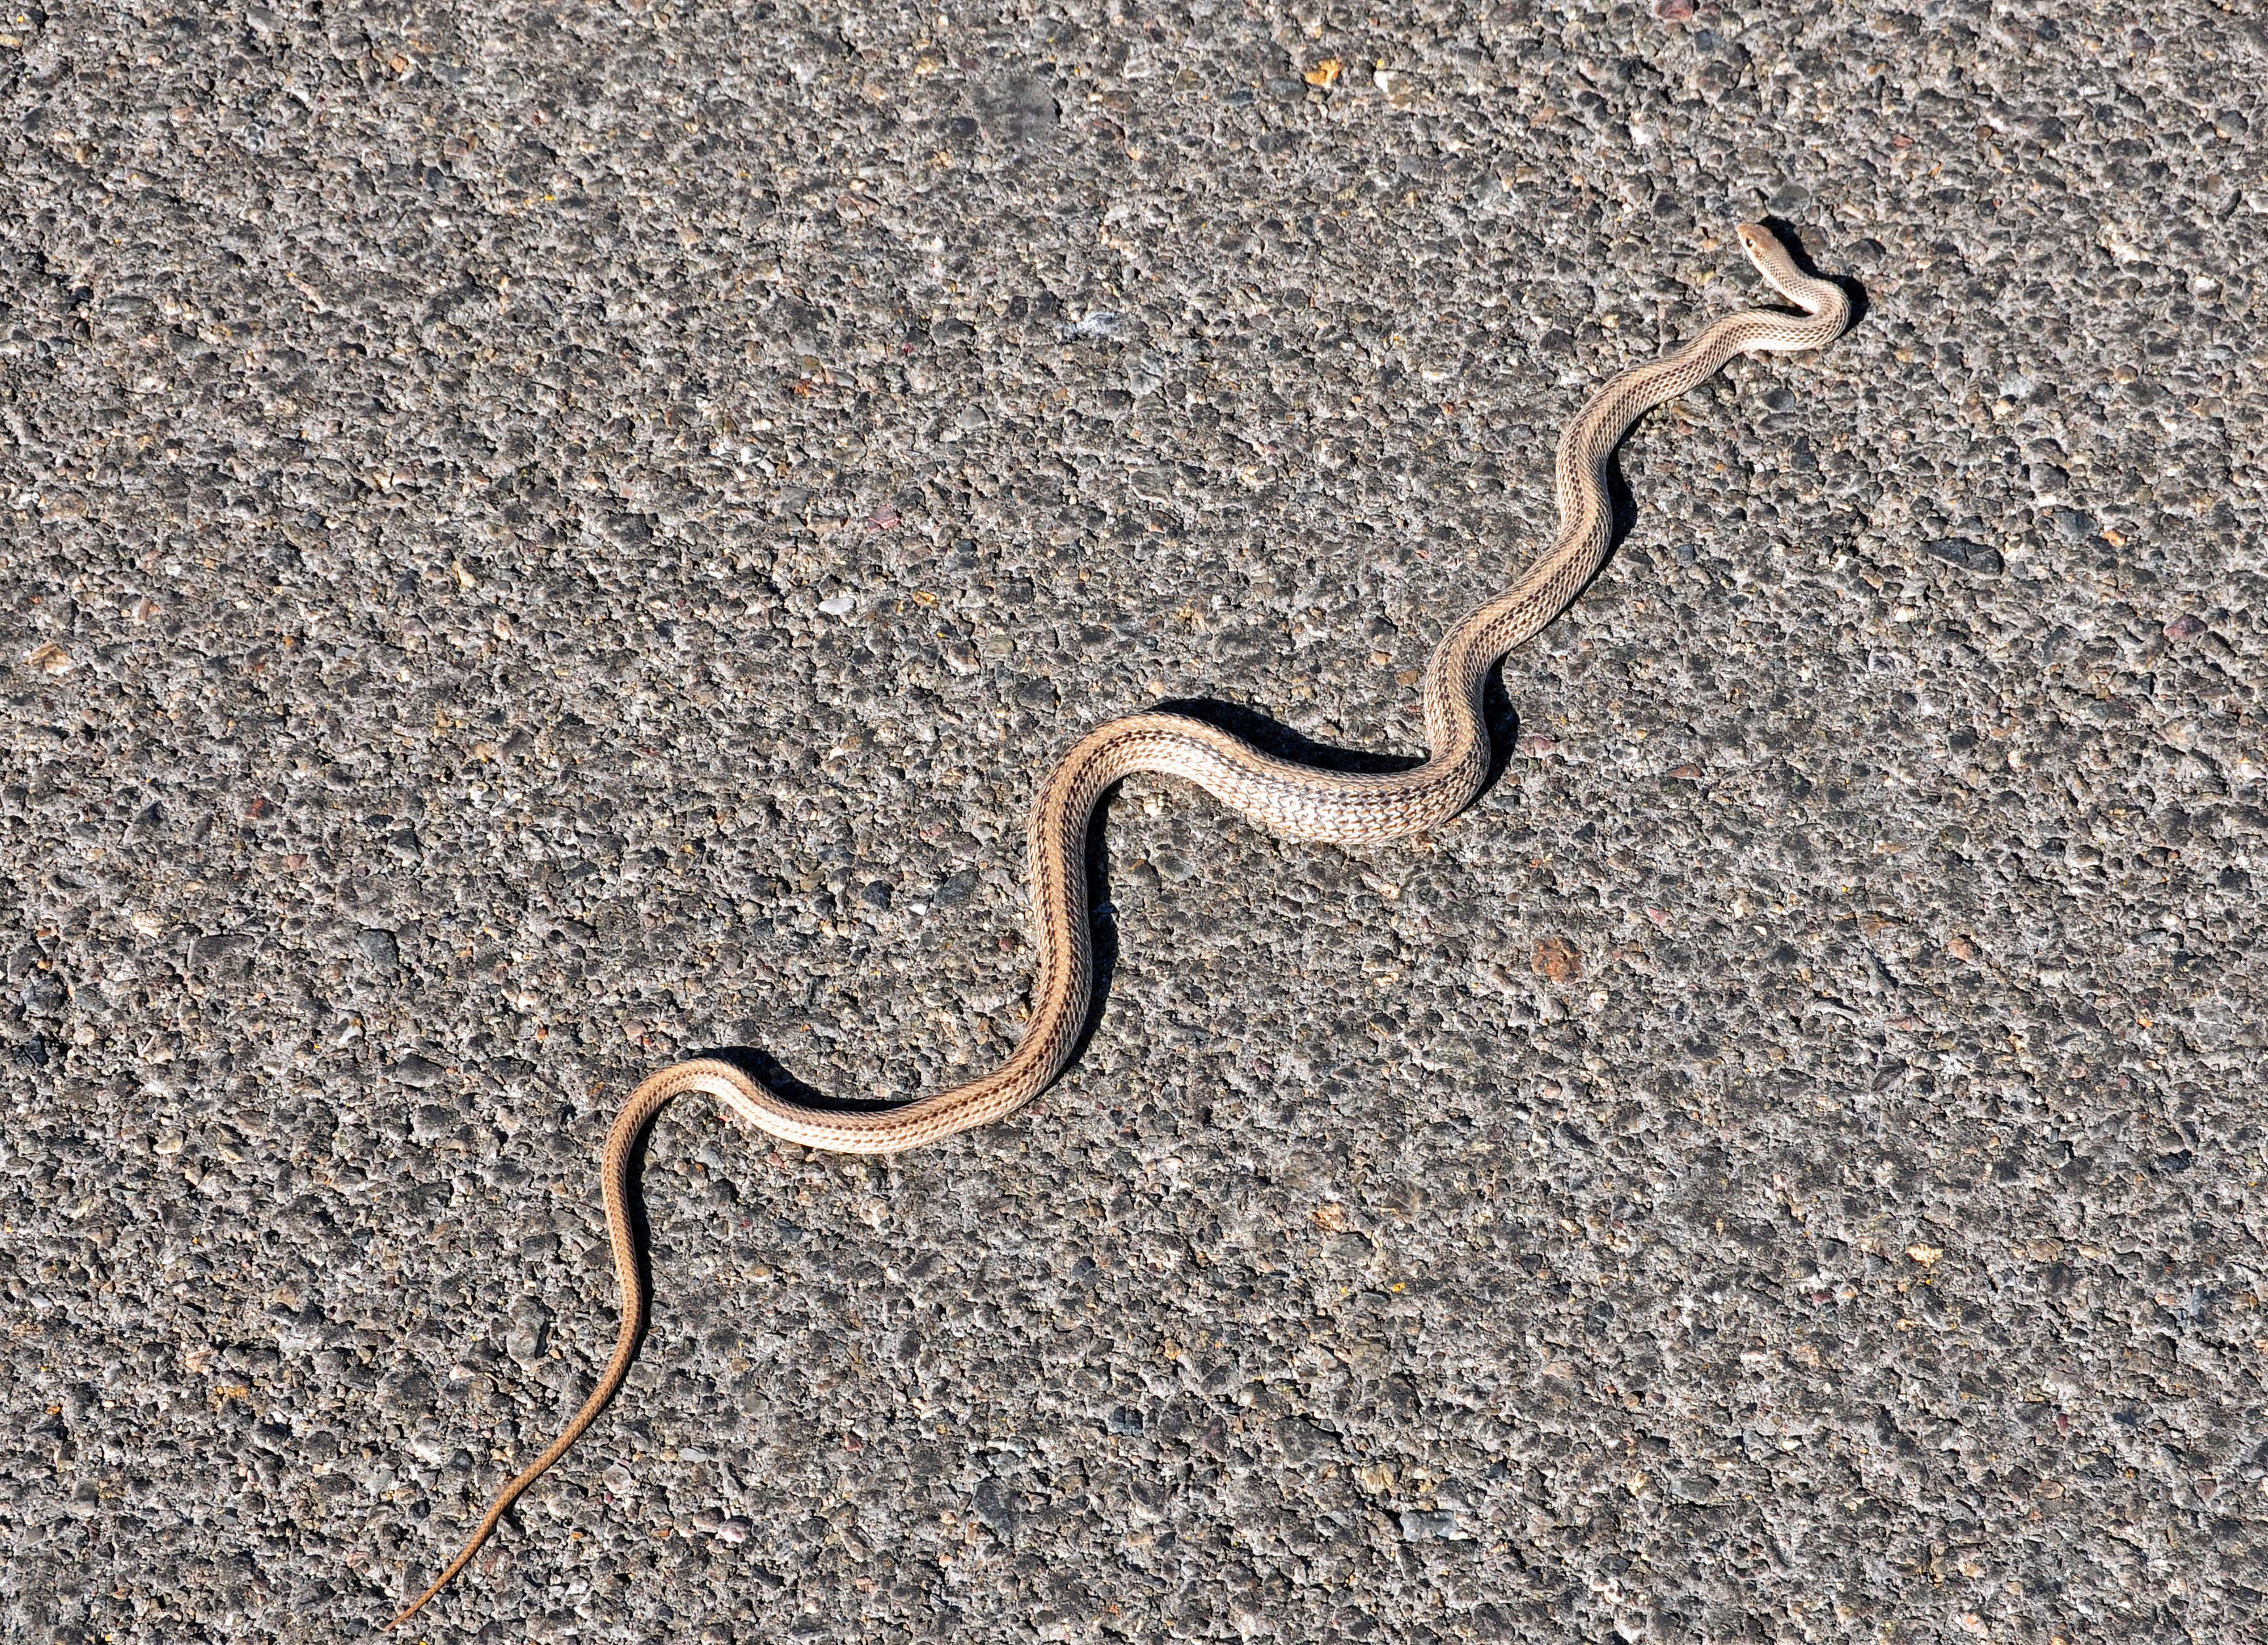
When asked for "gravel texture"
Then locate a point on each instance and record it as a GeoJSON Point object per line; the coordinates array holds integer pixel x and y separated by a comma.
{"type": "Point", "coordinates": [538, 538]}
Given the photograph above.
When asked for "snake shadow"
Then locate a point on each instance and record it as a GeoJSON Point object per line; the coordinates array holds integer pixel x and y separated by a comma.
{"type": "Point", "coordinates": [1272, 736]}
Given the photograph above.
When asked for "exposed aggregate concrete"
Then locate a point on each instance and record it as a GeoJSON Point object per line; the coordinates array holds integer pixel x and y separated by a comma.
{"type": "Point", "coordinates": [537, 539]}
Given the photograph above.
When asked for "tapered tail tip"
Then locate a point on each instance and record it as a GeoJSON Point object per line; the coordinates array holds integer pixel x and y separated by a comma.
{"type": "Point", "coordinates": [408, 1610]}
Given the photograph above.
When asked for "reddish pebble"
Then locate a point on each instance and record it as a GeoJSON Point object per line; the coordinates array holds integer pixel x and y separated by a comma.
{"type": "Point", "coordinates": [2185, 627]}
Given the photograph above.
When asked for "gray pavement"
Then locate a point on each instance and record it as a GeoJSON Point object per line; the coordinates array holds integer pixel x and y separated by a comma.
{"type": "Point", "coordinates": [535, 539]}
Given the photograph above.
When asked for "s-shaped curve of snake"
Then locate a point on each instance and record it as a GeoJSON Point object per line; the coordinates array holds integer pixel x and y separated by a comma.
{"type": "Point", "coordinates": [1298, 801]}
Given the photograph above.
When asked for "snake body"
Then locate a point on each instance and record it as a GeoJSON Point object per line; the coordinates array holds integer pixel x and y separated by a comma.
{"type": "Point", "coordinates": [1298, 801]}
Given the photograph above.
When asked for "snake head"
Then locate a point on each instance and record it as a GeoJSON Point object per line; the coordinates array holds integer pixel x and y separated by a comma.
{"type": "Point", "coordinates": [1823, 299]}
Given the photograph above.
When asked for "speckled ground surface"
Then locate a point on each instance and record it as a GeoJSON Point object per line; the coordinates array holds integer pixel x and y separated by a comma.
{"type": "Point", "coordinates": [536, 539]}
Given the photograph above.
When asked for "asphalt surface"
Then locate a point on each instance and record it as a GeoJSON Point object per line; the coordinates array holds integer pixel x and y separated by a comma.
{"type": "Point", "coordinates": [538, 538]}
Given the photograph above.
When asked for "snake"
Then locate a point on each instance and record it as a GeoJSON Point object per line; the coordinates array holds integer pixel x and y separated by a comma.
{"type": "Point", "coordinates": [1294, 801]}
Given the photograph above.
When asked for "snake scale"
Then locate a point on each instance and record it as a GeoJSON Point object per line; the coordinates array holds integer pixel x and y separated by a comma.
{"type": "Point", "coordinates": [1297, 801]}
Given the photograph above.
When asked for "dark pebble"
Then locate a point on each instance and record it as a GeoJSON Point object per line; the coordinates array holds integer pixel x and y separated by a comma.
{"type": "Point", "coordinates": [1974, 557]}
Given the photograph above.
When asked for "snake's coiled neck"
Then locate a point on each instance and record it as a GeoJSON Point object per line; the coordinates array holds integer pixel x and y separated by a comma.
{"type": "Point", "coordinates": [1294, 801]}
